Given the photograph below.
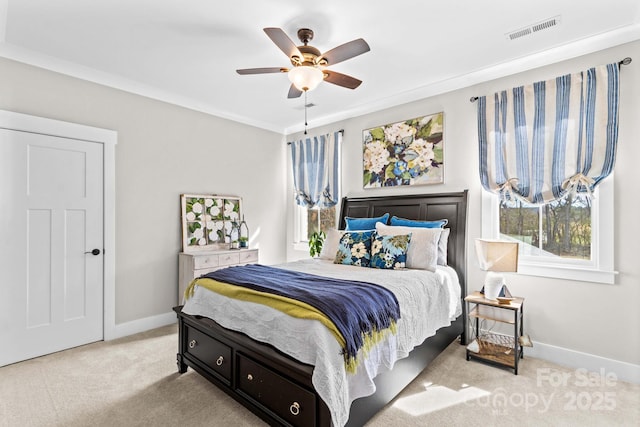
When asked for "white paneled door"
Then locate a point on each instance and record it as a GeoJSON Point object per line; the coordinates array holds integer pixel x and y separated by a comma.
{"type": "Point", "coordinates": [51, 244]}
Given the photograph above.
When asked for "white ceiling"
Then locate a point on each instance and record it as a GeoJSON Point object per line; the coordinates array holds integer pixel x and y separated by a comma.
{"type": "Point", "coordinates": [186, 52]}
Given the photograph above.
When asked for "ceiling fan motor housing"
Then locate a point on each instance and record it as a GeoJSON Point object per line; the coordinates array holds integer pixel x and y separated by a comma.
{"type": "Point", "coordinates": [310, 54]}
{"type": "Point", "coordinates": [310, 57]}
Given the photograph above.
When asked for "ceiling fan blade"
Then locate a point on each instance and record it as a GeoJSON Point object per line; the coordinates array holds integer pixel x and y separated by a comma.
{"type": "Point", "coordinates": [262, 70]}
{"type": "Point", "coordinates": [294, 92]}
{"type": "Point", "coordinates": [282, 40]}
{"type": "Point", "coordinates": [346, 51]}
{"type": "Point", "coordinates": [341, 79]}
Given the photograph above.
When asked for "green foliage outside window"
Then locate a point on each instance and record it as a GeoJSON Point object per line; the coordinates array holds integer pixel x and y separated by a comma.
{"type": "Point", "coordinates": [320, 220]}
{"type": "Point", "coordinates": [561, 228]}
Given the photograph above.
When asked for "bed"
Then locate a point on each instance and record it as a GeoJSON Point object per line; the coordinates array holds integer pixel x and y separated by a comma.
{"type": "Point", "coordinates": [280, 388]}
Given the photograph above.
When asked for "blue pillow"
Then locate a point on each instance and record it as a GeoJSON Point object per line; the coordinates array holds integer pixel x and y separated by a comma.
{"type": "Point", "coordinates": [354, 248]}
{"type": "Point", "coordinates": [389, 252]}
{"type": "Point", "coordinates": [364, 223]}
{"type": "Point", "coordinates": [423, 224]}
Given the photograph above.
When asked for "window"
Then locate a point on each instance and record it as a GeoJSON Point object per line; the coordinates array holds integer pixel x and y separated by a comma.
{"type": "Point", "coordinates": [320, 220]}
{"type": "Point", "coordinates": [315, 163]}
{"type": "Point", "coordinates": [309, 221]}
{"type": "Point", "coordinates": [559, 229]}
{"type": "Point", "coordinates": [570, 238]}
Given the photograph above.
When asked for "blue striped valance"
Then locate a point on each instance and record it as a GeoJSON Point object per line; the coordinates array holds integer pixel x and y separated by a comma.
{"type": "Point", "coordinates": [315, 162]}
{"type": "Point", "coordinates": [543, 141]}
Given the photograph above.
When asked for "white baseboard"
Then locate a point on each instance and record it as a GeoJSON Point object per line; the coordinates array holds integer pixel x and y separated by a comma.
{"type": "Point", "coordinates": [562, 356]}
{"type": "Point", "coordinates": [575, 359]}
{"type": "Point", "coordinates": [140, 325]}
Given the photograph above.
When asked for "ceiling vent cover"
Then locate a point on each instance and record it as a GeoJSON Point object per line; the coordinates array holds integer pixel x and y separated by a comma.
{"type": "Point", "coordinates": [534, 28]}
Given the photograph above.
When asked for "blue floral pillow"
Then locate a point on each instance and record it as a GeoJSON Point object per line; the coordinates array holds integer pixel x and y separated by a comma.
{"type": "Point", "coordinates": [354, 249]}
{"type": "Point", "coordinates": [389, 252]}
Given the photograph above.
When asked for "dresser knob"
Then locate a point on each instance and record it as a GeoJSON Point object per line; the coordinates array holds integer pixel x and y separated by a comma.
{"type": "Point", "coordinates": [250, 377]}
{"type": "Point", "coordinates": [193, 343]}
{"type": "Point", "coordinates": [294, 408]}
{"type": "Point", "coordinates": [220, 361]}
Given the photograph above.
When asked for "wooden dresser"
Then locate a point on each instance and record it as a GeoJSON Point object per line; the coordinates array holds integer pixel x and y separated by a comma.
{"type": "Point", "coordinates": [195, 264]}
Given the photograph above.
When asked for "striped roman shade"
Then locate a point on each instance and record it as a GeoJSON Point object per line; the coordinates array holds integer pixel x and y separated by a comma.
{"type": "Point", "coordinates": [315, 162]}
{"type": "Point", "coordinates": [543, 141]}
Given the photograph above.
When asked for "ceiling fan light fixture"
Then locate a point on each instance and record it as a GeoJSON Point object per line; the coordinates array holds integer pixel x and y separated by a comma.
{"type": "Point", "coordinates": [309, 64]}
{"type": "Point", "coordinates": [305, 77]}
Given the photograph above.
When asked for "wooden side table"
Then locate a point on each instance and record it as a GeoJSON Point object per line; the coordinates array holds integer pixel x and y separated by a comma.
{"type": "Point", "coordinates": [495, 348]}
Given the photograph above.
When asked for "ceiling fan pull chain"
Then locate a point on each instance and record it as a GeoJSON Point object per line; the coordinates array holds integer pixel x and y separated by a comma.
{"type": "Point", "coordinates": [305, 112]}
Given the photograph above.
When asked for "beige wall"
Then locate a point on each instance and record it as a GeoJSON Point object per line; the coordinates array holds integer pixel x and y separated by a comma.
{"type": "Point", "coordinates": [602, 320]}
{"type": "Point", "coordinates": [162, 151]}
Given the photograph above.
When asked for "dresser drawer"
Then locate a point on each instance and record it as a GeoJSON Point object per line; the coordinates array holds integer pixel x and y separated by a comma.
{"type": "Point", "coordinates": [229, 258]}
{"type": "Point", "coordinates": [288, 400]}
{"type": "Point", "coordinates": [203, 271]}
{"type": "Point", "coordinates": [206, 261]}
{"type": "Point", "coordinates": [248, 256]}
{"type": "Point", "coordinates": [209, 351]}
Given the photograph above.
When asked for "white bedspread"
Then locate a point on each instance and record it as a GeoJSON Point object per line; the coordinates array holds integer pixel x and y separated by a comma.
{"type": "Point", "coordinates": [428, 301]}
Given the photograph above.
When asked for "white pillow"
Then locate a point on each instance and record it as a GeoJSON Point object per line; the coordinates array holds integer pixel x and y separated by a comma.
{"type": "Point", "coordinates": [423, 248]}
{"type": "Point", "coordinates": [330, 246]}
{"type": "Point", "coordinates": [443, 244]}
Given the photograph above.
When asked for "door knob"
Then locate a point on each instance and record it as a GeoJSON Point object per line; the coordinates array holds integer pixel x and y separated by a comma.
{"type": "Point", "coordinates": [94, 252]}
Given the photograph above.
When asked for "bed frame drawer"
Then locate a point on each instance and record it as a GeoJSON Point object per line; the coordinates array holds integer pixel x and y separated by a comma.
{"type": "Point", "coordinates": [289, 401]}
{"type": "Point", "coordinates": [210, 352]}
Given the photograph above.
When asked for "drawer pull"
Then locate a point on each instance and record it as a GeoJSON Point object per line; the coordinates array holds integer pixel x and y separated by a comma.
{"type": "Point", "coordinates": [193, 343]}
{"type": "Point", "coordinates": [220, 361]}
{"type": "Point", "coordinates": [294, 408]}
{"type": "Point", "coordinates": [250, 377]}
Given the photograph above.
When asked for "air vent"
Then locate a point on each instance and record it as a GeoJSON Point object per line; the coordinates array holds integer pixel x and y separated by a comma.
{"type": "Point", "coordinates": [519, 33]}
{"type": "Point", "coordinates": [534, 28]}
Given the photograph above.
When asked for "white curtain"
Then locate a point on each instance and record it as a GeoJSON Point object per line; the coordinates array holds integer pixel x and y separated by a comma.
{"type": "Point", "coordinates": [543, 141]}
{"type": "Point", "coordinates": [315, 163]}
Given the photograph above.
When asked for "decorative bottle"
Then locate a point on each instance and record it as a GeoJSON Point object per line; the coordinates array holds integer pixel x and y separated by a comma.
{"type": "Point", "coordinates": [244, 233]}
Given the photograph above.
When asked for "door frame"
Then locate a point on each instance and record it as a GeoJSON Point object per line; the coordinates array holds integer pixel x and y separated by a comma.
{"type": "Point", "coordinates": [108, 138]}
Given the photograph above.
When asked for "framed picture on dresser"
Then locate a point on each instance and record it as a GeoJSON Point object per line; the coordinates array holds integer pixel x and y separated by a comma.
{"type": "Point", "coordinates": [208, 220]}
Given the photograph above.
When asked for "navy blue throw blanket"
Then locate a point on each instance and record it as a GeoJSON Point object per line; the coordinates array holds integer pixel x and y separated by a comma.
{"type": "Point", "coordinates": [358, 309]}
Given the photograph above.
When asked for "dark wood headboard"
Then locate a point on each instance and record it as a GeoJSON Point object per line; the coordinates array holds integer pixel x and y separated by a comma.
{"type": "Point", "coordinates": [425, 207]}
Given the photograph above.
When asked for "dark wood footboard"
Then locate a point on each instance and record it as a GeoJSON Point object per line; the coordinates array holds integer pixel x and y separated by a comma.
{"type": "Point", "coordinates": [271, 384]}
{"type": "Point", "coordinates": [278, 388]}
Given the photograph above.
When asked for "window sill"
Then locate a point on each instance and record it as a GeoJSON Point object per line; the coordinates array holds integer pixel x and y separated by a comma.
{"type": "Point", "coordinates": [301, 246]}
{"type": "Point", "coordinates": [568, 273]}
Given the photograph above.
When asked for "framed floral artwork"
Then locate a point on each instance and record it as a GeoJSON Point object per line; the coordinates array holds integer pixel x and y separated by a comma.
{"type": "Point", "coordinates": [208, 220]}
{"type": "Point", "coordinates": [404, 153]}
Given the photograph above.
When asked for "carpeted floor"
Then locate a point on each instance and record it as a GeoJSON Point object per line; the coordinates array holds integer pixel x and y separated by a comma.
{"type": "Point", "coordinates": [134, 382]}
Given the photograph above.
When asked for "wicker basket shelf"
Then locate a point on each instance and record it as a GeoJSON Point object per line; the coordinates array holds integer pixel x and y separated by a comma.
{"type": "Point", "coordinates": [496, 347]}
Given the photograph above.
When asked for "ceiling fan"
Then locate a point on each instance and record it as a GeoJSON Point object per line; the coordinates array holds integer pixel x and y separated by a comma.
{"type": "Point", "coordinates": [309, 63]}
